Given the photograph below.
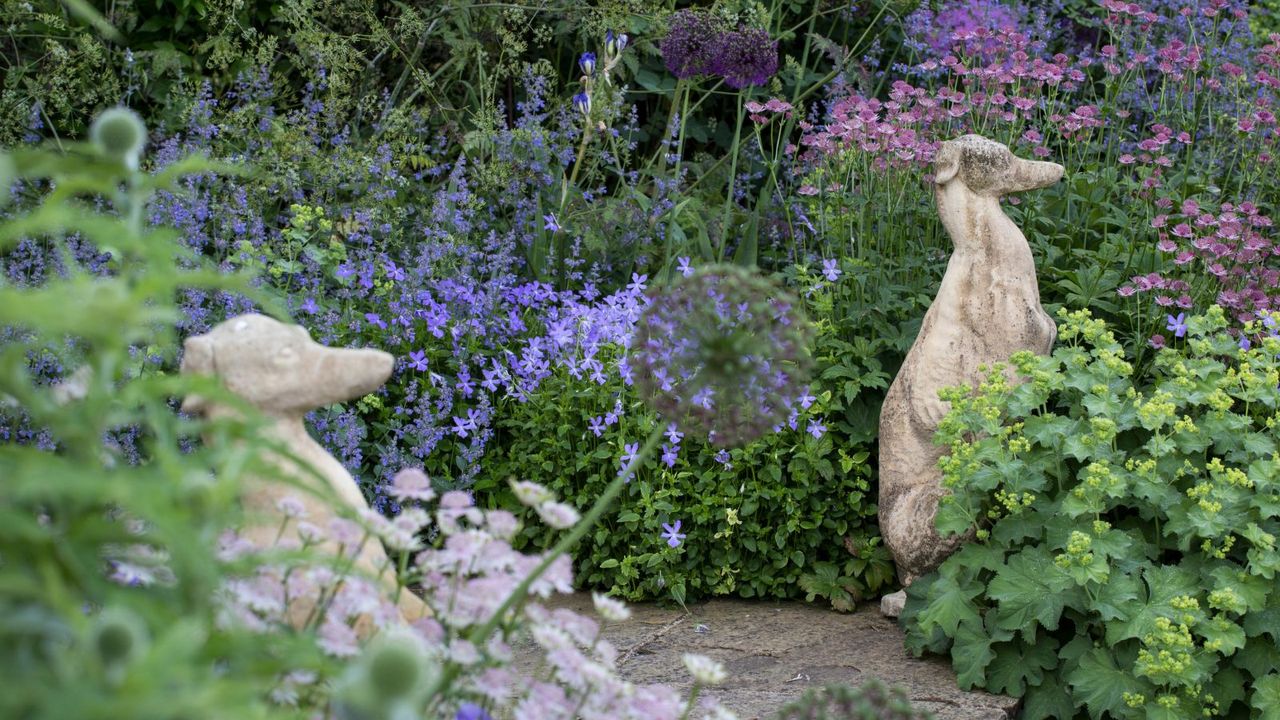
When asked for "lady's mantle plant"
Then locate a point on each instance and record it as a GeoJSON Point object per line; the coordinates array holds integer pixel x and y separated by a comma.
{"type": "Point", "coordinates": [1125, 563]}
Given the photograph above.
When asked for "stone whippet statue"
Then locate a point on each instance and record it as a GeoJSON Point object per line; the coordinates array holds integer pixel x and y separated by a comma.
{"type": "Point", "coordinates": [280, 370]}
{"type": "Point", "coordinates": [986, 309]}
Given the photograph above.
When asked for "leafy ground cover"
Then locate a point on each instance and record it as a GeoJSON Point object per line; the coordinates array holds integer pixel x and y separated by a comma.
{"type": "Point", "coordinates": [496, 193]}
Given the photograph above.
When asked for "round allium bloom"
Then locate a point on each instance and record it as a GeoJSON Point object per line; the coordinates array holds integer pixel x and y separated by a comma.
{"type": "Point", "coordinates": [721, 353]}
{"type": "Point", "coordinates": [690, 46]}
{"type": "Point", "coordinates": [746, 57]}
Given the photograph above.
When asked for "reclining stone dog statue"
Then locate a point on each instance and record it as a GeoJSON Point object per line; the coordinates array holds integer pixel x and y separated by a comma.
{"type": "Point", "coordinates": [280, 370]}
{"type": "Point", "coordinates": [987, 308]}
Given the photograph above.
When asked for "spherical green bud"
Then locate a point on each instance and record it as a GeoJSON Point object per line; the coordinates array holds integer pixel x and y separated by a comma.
{"type": "Point", "coordinates": [118, 635]}
{"type": "Point", "coordinates": [395, 667]}
{"type": "Point", "coordinates": [119, 133]}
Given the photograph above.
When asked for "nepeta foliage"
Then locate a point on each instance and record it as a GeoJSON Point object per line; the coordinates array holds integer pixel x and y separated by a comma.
{"type": "Point", "coordinates": [1125, 563]}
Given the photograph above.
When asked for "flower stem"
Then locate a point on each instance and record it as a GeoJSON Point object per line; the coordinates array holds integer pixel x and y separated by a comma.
{"type": "Point", "coordinates": [733, 176]}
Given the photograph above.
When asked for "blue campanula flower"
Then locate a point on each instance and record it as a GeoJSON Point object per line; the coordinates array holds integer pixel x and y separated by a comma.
{"type": "Point", "coordinates": [672, 534]}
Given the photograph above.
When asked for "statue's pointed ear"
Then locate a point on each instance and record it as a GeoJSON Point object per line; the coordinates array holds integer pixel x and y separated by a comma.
{"type": "Point", "coordinates": [946, 163]}
{"type": "Point", "coordinates": [197, 359]}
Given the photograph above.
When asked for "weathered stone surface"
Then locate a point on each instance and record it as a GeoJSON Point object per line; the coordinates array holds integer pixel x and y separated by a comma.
{"type": "Point", "coordinates": [986, 309]}
{"type": "Point", "coordinates": [774, 651]}
{"type": "Point", "coordinates": [280, 370]}
{"type": "Point", "coordinates": [891, 605]}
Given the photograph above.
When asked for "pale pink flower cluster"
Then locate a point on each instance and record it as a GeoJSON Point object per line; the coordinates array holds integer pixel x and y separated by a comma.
{"type": "Point", "coordinates": [465, 574]}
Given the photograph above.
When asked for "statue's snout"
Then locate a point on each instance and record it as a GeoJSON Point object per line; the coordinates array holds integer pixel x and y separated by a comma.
{"type": "Point", "coordinates": [1034, 174]}
{"type": "Point", "coordinates": [345, 374]}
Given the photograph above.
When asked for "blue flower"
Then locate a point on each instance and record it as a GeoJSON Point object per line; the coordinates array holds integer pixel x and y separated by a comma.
{"type": "Point", "coordinates": [471, 711]}
{"type": "Point", "coordinates": [1177, 325]}
{"type": "Point", "coordinates": [614, 44]}
{"type": "Point", "coordinates": [588, 63]}
{"type": "Point", "coordinates": [582, 101]}
{"type": "Point", "coordinates": [831, 270]}
{"type": "Point", "coordinates": [817, 429]}
{"type": "Point", "coordinates": [629, 454]}
{"type": "Point", "coordinates": [551, 223]}
{"type": "Point", "coordinates": [672, 534]}
{"type": "Point", "coordinates": [418, 360]}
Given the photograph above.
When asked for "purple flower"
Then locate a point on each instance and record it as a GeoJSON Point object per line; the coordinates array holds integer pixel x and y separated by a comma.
{"type": "Point", "coordinates": [746, 57]}
{"type": "Point", "coordinates": [471, 711]}
{"type": "Point", "coordinates": [1244, 343]}
{"type": "Point", "coordinates": [673, 434]}
{"type": "Point", "coordinates": [669, 454]}
{"type": "Point", "coordinates": [831, 270]}
{"type": "Point", "coordinates": [672, 534]}
{"type": "Point", "coordinates": [596, 425]}
{"type": "Point", "coordinates": [551, 223]}
{"type": "Point", "coordinates": [684, 267]}
{"type": "Point", "coordinates": [582, 102]}
{"type": "Point", "coordinates": [817, 429]}
{"type": "Point", "coordinates": [418, 360]}
{"type": "Point", "coordinates": [588, 63]}
{"type": "Point", "coordinates": [806, 400]}
{"type": "Point", "coordinates": [375, 320]}
{"type": "Point", "coordinates": [1177, 325]}
{"type": "Point", "coordinates": [629, 454]}
{"type": "Point", "coordinates": [689, 48]}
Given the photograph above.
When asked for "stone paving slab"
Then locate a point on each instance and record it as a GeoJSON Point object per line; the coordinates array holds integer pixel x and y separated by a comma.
{"type": "Point", "coordinates": [775, 650]}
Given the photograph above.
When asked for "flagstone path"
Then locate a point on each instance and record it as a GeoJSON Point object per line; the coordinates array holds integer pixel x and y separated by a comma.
{"type": "Point", "coordinates": [773, 651]}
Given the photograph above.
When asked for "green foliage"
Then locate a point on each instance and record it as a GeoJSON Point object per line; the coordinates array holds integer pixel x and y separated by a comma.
{"type": "Point", "coordinates": [110, 581]}
{"type": "Point", "coordinates": [1126, 564]}
{"type": "Point", "coordinates": [870, 701]}
{"type": "Point", "coordinates": [790, 513]}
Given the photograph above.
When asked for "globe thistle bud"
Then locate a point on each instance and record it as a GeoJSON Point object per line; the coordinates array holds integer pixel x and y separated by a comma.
{"type": "Point", "coordinates": [118, 636]}
{"type": "Point", "coordinates": [119, 133]}
{"type": "Point", "coordinates": [721, 353]}
{"type": "Point", "coordinates": [389, 679]}
{"type": "Point", "coordinates": [588, 63]}
{"type": "Point", "coordinates": [582, 101]}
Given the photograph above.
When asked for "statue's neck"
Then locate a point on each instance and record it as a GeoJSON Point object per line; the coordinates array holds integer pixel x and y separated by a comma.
{"type": "Point", "coordinates": [978, 226]}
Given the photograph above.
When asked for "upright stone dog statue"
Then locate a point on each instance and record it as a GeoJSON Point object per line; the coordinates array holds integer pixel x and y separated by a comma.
{"type": "Point", "coordinates": [987, 308]}
{"type": "Point", "coordinates": [280, 370]}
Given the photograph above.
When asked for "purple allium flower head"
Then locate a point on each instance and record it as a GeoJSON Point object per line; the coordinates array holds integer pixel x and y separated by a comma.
{"type": "Point", "coordinates": [690, 46]}
{"type": "Point", "coordinates": [746, 57]}
{"type": "Point", "coordinates": [672, 534]}
{"type": "Point", "coordinates": [721, 353]}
